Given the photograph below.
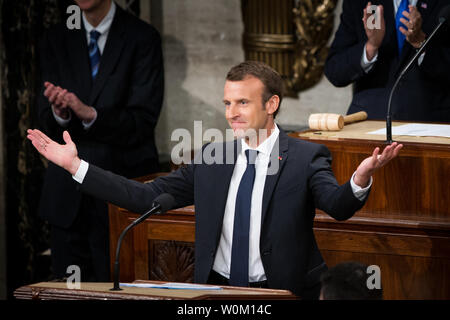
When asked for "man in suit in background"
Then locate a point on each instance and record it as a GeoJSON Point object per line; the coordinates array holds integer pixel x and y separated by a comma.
{"type": "Point", "coordinates": [253, 224]}
{"type": "Point", "coordinates": [104, 84]}
{"type": "Point", "coordinates": [372, 58]}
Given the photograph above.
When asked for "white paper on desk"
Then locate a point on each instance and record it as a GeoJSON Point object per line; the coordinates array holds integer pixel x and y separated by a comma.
{"type": "Point", "coordinates": [171, 285]}
{"type": "Point", "coordinates": [418, 130]}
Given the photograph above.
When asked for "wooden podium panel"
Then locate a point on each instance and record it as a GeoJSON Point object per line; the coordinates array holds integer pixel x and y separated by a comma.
{"type": "Point", "coordinates": [161, 248]}
{"type": "Point", "coordinates": [101, 291]}
{"type": "Point", "coordinates": [404, 228]}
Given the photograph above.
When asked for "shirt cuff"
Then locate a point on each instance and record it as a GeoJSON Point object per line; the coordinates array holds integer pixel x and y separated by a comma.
{"type": "Point", "coordinates": [360, 193]}
{"type": "Point", "coordinates": [62, 122]}
{"type": "Point", "coordinates": [420, 60]}
{"type": "Point", "coordinates": [87, 125]}
{"type": "Point", "coordinates": [367, 64]}
{"type": "Point", "coordinates": [81, 172]}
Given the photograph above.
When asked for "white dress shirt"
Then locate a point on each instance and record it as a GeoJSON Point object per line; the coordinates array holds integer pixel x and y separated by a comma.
{"type": "Point", "coordinates": [367, 64]}
{"type": "Point", "coordinates": [222, 260]}
{"type": "Point", "coordinates": [103, 27]}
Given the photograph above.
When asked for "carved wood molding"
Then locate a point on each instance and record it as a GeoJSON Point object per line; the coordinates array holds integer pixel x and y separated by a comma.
{"type": "Point", "coordinates": [171, 261]}
{"type": "Point", "coordinates": [291, 36]}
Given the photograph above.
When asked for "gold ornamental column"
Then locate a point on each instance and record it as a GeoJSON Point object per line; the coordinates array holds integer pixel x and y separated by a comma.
{"type": "Point", "coordinates": [290, 36]}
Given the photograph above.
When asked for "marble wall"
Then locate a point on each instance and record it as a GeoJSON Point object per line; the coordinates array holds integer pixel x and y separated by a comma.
{"type": "Point", "coordinates": [202, 40]}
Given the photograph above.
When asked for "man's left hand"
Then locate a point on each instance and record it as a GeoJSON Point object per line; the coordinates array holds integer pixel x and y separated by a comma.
{"type": "Point", "coordinates": [67, 99]}
{"type": "Point", "coordinates": [414, 35]}
{"type": "Point", "coordinates": [82, 111]}
{"type": "Point", "coordinates": [371, 164]}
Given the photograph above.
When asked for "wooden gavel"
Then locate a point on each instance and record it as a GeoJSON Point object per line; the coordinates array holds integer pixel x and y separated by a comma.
{"type": "Point", "coordinates": [332, 121]}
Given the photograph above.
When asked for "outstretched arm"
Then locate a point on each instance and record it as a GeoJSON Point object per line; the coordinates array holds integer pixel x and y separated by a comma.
{"type": "Point", "coordinates": [65, 156]}
{"type": "Point", "coordinates": [107, 186]}
{"type": "Point", "coordinates": [341, 202]}
{"type": "Point", "coordinates": [371, 164]}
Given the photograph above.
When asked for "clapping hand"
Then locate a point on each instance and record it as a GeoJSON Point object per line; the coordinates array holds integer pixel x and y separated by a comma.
{"type": "Point", "coordinates": [414, 35]}
{"type": "Point", "coordinates": [63, 101]}
{"type": "Point", "coordinates": [374, 35]}
{"type": "Point", "coordinates": [55, 96]}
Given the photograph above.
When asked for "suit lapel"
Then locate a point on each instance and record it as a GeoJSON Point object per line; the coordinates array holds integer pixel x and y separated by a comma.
{"type": "Point", "coordinates": [224, 172]}
{"type": "Point", "coordinates": [425, 8]}
{"type": "Point", "coordinates": [111, 54]}
{"type": "Point", "coordinates": [76, 44]}
{"type": "Point", "coordinates": [278, 157]}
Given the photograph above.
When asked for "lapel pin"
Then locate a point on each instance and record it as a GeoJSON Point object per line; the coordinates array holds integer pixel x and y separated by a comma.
{"type": "Point", "coordinates": [424, 5]}
{"type": "Point", "coordinates": [280, 158]}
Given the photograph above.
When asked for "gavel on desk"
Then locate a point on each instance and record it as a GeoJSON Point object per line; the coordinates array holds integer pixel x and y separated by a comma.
{"type": "Point", "coordinates": [332, 121]}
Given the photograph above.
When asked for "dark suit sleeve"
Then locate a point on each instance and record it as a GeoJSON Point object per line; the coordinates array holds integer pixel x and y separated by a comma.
{"type": "Point", "coordinates": [436, 63]}
{"type": "Point", "coordinates": [135, 196]}
{"type": "Point", "coordinates": [343, 65]}
{"type": "Point", "coordinates": [338, 201]}
{"type": "Point", "coordinates": [134, 123]}
{"type": "Point", "coordinates": [48, 72]}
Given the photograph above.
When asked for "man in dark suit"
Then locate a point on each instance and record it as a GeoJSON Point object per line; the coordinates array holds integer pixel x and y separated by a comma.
{"type": "Point", "coordinates": [104, 84]}
{"type": "Point", "coordinates": [370, 51]}
{"type": "Point", "coordinates": [253, 224]}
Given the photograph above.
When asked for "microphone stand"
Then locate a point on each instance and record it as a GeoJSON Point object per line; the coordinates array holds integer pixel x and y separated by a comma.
{"type": "Point", "coordinates": [155, 210]}
{"type": "Point", "coordinates": [416, 56]}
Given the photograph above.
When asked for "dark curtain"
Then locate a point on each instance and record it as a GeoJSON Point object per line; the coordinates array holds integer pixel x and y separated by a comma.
{"type": "Point", "coordinates": [22, 23]}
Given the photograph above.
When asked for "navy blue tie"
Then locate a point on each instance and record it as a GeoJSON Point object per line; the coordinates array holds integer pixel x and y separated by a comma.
{"type": "Point", "coordinates": [241, 228]}
{"type": "Point", "coordinates": [94, 52]}
{"type": "Point", "coordinates": [400, 36]}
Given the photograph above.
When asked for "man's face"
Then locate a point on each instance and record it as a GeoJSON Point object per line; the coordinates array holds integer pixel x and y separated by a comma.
{"type": "Point", "coordinates": [89, 5]}
{"type": "Point", "coordinates": [244, 107]}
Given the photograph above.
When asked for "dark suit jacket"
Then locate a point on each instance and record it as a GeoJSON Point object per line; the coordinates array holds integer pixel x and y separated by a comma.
{"type": "Point", "coordinates": [303, 182]}
{"type": "Point", "coordinates": [127, 94]}
{"type": "Point", "coordinates": [422, 94]}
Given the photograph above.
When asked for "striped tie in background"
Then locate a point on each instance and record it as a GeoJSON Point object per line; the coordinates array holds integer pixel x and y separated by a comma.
{"type": "Point", "coordinates": [94, 52]}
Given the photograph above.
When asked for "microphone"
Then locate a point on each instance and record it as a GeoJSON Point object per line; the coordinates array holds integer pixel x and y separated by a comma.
{"type": "Point", "coordinates": [161, 204]}
{"type": "Point", "coordinates": [443, 18]}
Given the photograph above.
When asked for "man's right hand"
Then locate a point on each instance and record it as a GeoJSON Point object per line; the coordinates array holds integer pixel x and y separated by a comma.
{"type": "Point", "coordinates": [63, 101]}
{"type": "Point", "coordinates": [55, 96]}
{"type": "Point", "coordinates": [375, 35]}
{"type": "Point", "coordinates": [65, 156]}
